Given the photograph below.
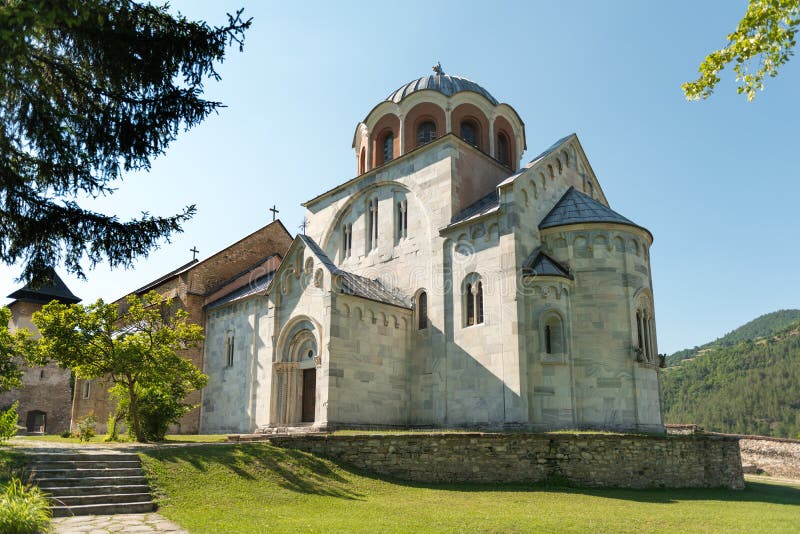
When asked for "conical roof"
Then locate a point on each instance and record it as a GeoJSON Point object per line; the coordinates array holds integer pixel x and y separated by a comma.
{"type": "Point", "coordinates": [51, 288]}
{"type": "Point", "coordinates": [576, 208]}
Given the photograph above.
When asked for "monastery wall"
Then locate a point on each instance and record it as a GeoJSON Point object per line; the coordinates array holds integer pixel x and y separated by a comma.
{"type": "Point", "coordinates": [615, 460]}
{"type": "Point", "coordinates": [227, 405]}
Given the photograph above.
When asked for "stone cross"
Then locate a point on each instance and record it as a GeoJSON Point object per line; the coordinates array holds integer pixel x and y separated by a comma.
{"type": "Point", "coordinates": [274, 211]}
{"type": "Point", "coordinates": [194, 252]}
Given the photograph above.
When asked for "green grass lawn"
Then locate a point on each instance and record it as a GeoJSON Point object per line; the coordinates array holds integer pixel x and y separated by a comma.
{"type": "Point", "coordinates": [12, 463]}
{"type": "Point", "coordinates": [261, 488]}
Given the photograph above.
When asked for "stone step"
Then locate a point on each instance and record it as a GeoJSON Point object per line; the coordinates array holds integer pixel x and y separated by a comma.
{"type": "Point", "coordinates": [79, 464]}
{"type": "Point", "coordinates": [111, 489]}
{"type": "Point", "coordinates": [104, 509]}
{"type": "Point", "coordinates": [108, 498]}
{"type": "Point", "coordinates": [89, 481]}
{"type": "Point", "coordinates": [36, 457]}
{"type": "Point", "coordinates": [45, 474]}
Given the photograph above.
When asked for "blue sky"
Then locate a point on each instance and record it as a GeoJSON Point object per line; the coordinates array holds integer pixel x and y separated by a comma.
{"type": "Point", "coordinates": [716, 182]}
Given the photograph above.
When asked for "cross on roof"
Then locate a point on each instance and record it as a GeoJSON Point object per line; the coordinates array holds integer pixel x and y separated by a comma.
{"type": "Point", "coordinates": [194, 252]}
{"type": "Point", "coordinates": [274, 211]}
{"type": "Point", "coordinates": [304, 225]}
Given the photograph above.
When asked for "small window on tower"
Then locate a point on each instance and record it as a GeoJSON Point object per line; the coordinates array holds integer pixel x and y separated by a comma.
{"type": "Point", "coordinates": [503, 155]}
{"type": "Point", "coordinates": [426, 132]}
{"type": "Point", "coordinates": [85, 389]}
{"type": "Point", "coordinates": [469, 132]}
{"type": "Point", "coordinates": [388, 147]}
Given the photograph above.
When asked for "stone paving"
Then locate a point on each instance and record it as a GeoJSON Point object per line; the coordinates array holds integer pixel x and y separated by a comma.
{"type": "Point", "coordinates": [103, 524]}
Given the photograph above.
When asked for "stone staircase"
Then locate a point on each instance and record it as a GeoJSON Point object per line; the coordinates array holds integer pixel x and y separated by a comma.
{"type": "Point", "coordinates": [90, 483]}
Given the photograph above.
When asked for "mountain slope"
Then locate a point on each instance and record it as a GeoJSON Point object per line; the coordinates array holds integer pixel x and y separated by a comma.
{"type": "Point", "coordinates": [752, 387]}
{"type": "Point", "coordinates": [764, 326]}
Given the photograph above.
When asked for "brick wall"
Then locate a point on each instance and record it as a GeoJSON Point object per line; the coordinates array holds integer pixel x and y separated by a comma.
{"type": "Point", "coordinates": [635, 461]}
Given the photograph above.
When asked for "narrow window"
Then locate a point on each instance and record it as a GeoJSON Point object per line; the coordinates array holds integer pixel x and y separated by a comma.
{"type": "Point", "coordinates": [503, 155]}
{"type": "Point", "coordinates": [362, 162]}
{"type": "Point", "coordinates": [372, 224]}
{"type": "Point", "coordinates": [41, 374]}
{"type": "Point", "coordinates": [473, 301]}
{"type": "Point", "coordinates": [550, 172]}
{"type": "Point", "coordinates": [470, 305]}
{"type": "Point", "coordinates": [229, 351]}
{"type": "Point", "coordinates": [426, 132]}
{"type": "Point", "coordinates": [401, 220]}
{"type": "Point", "coordinates": [469, 133]}
{"type": "Point", "coordinates": [478, 302]}
{"type": "Point", "coordinates": [639, 338]}
{"type": "Point", "coordinates": [645, 320]}
{"type": "Point", "coordinates": [422, 310]}
{"type": "Point", "coordinates": [548, 340]}
{"type": "Point", "coordinates": [388, 147]}
{"type": "Point", "coordinates": [85, 391]}
{"type": "Point", "coordinates": [347, 240]}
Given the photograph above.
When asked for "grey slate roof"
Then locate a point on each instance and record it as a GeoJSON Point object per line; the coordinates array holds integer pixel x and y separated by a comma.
{"type": "Point", "coordinates": [482, 206]}
{"type": "Point", "coordinates": [576, 207]}
{"type": "Point", "coordinates": [540, 264]}
{"type": "Point", "coordinates": [53, 288]}
{"type": "Point", "coordinates": [258, 285]}
{"type": "Point", "coordinates": [359, 286]}
{"type": "Point", "coordinates": [444, 83]}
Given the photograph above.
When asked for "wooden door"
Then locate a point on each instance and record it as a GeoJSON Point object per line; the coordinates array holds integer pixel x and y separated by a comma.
{"type": "Point", "coordinates": [309, 394]}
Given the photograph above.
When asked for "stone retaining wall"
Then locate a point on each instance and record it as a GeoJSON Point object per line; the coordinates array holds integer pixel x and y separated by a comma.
{"type": "Point", "coordinates": [634, 461]}
{"type": "Point", "coordinates": [776, 457]}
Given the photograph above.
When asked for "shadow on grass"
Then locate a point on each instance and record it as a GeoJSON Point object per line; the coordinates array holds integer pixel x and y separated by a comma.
{"type": "Point", "coordinates": [754, 491]}
{"type": "Point", "coordinates": [293, 470]}
{"type": "Point", "coordinates": [305, 473]}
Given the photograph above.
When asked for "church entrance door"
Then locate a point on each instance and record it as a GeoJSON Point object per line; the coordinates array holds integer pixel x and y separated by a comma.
{"type": "Point", "coordinates": [309, 394]}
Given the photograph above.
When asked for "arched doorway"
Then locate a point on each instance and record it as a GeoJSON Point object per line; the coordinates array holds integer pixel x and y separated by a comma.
{"type": "Point", "coordinates": [295, 378]}
{"type": "Point", "coordinates": [36, 421]}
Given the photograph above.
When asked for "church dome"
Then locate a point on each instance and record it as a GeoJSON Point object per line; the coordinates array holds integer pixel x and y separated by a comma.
{"type": "Point", "coordinates": [443, 83]}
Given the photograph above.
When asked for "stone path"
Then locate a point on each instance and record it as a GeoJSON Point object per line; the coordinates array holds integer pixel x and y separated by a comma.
{"type": "Point", "coordinates": [102, 524]}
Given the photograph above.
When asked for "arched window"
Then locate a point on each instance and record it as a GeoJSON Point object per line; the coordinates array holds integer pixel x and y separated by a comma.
{"type": "Point", "coordinates": [426, 132]}
{"type": "Point", "coordinates": [646, 350]}
{"type": "Point", "coordinates": [86, 389]}
{"type": "Point", "coordinates": [565, 154]}
{"type": "Point", "coordinates": [503, 154]}
{"type": "Point", "coordinates": [560, 167]}
{"type": "Point", "coordinates": [422, 310]}
{"type": "Point", "coordinates": [362, 161]}
{"type": "Point", "coordinates": [388, 147]}
{"type": "Point", "coordinates": [473, 300]}
{"type": "Point", "coordinates": [347, 240]}
{"type": "Point", "coordinates": [550, 172]}
{"type": "Point", "coordinates": [469, 132]}
{"type": "Point", "coordinates": [372, 224]}
{"type": "Point", "coordinates": [401, 220]}
{"type": "Point", "coordinates": [553, 331]}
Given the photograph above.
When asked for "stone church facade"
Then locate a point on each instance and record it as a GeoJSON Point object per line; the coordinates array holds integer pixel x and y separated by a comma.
{"type": "Point", "coordinates": [445, 285]}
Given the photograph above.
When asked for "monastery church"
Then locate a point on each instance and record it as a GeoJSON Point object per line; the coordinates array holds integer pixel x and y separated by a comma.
{"type": "Point", "coordinates": [445, 285]}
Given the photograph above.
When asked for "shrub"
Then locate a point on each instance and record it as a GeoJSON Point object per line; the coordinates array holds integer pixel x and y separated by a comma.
{"type": "Point", "coordinates": [158, 407]}
{"type": "Point", "coordinates": [8, 423]}
{"type": "Point", "coordinates": [66, 434]}
{"type": "Point", "coordinates": [23, 510]}
{"type": "Point", "coordinates": [86, 426]}
{"type": "Point", "coordinates": [111, 433]}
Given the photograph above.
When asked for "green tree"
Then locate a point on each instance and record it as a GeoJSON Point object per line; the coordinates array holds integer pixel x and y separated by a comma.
{"type": "Point", "coordinates": [138, 349]}
{"type": "Point", "coordinates": [89, 90]}
{"type": "Point", "coordinates": [762, 42]}
{"type": "Point", "coordinates": [13, 349]}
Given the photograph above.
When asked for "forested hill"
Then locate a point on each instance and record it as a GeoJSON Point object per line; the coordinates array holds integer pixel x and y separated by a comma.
{"type": "Point", "coordinates": [765, 326]}
{"type": "Point", "coordinates": [752, 387]}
